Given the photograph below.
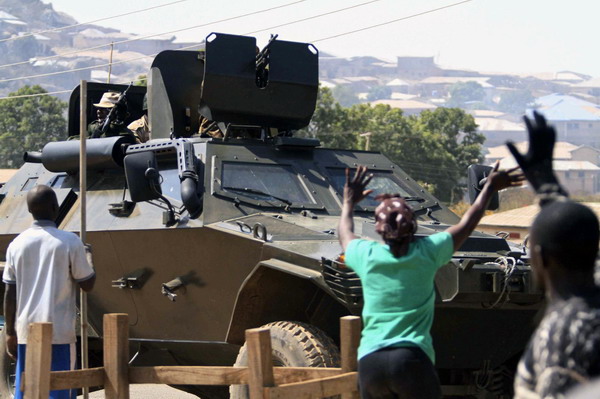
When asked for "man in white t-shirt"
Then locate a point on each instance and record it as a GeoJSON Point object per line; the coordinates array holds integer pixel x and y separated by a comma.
{"type": "Point", "coordinates": [45, 267]}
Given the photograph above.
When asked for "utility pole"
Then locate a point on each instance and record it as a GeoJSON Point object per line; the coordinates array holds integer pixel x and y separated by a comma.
{"type": "Point", "coordinates": [367, 136]}
{"type": "Point", "coordinates": [83, 313]}
{"type": "Point", "coordinates": [112, 45]}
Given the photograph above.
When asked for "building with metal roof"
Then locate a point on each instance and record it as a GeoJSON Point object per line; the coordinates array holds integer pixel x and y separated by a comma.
{"type": "Point", "coordinates": [515, 223]}
{"type": "Point", "coordinates": [576, 121]}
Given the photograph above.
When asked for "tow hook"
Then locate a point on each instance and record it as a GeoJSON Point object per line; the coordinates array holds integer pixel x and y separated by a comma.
{"type": "Point", "coordinates": [168, 289]}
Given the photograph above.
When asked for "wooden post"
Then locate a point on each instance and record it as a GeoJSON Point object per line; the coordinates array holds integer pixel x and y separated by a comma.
{"type": "Point", "coordinates": [38, 360]}
{"type": "Point", "coordinates": [116, 356]}
{"type": "Point", "coordinates": [350, 327]}
{"type": "Point", "coordinates": [260, 361]}
{"type": "Point", "coordinates": [83, 314]}
{"type": "Point", "coordinates": [112, 46]}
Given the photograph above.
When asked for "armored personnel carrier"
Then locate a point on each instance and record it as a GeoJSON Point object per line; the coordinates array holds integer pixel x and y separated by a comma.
{"type": "Point", "coordinates": [225, 221]}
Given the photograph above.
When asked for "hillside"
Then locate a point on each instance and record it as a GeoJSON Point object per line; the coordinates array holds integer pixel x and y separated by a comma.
{"type": "Point", "coordinates": [29, 52]}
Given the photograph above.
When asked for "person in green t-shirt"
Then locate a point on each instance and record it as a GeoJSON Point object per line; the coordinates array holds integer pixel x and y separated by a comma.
{"type": "Point", "coordinates": [396, 357]}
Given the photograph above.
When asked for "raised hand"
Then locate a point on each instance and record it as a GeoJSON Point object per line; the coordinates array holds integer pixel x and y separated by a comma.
{"type": "Point", "coordinates": [501, 179]}
{"type": "Point", "coordinates": [355, 188]}
{"type": "Point", "coordinates": [537, 162]}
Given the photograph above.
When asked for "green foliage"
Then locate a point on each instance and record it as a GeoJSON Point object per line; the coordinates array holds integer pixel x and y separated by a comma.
{"type": "Point", "coordinates": [516, 101]}
{"type": "Point", "coordinates": [435, 148]}
{"type": "Point", "coordinates": [379, 93]}
{"type": "Point", "coordinates": [27, 124]}
{"type": "Point", "coordinates": [455, 132]}
{"type": "Point", "coordinates": [330, 123]}
{"type": "Point", "coordinates": [464, 93]}
{"type": "Point", "coordinates": [345, 96]}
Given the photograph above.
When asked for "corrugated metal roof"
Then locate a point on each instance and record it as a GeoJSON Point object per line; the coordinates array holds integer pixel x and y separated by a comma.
{"type": "Point", "coordinates": [564, 166]}
{"type": "Point", "coordinates": [592, 83]}
{"type": "Point", "coordinates": [562, 150]}
{"type": "Point", "coordinates": [405, 104]}
{"type": "Point", "coordinates": [398, 82]}
{"type": "Point", "coordinates": [524, 217]}
{"type": "Point", "coordinates": [483, 81]}
{"type": "Point", "coordinates": [496, 124]}
{"type": "Point", "coordinates": [558, 107]}
{"type": "Point", "coordinates": [5, 15]}
{"type": "Point", "coordinates": [485, 113]}
{"type": "Point", "coordinates": [402, 96]}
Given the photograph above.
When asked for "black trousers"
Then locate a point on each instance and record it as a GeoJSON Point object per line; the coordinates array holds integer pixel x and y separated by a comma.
{"type": "Point", "coordinates": [398, 373]}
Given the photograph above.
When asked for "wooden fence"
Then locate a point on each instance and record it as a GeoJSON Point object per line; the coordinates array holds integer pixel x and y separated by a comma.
{"type": "Point", "coordinates": [264, 380]}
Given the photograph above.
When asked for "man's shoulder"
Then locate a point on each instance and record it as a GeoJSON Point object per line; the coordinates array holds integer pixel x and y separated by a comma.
{"type": "Point", "coordinates": [68, 235]}
{"type": "Point", "coordinates": [22, 237]}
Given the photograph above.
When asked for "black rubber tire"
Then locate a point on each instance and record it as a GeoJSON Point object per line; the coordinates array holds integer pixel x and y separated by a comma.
{"type": "Point", "coordinates": [7, 371]}
{"type": "Point", "coordinates": [294, 344]}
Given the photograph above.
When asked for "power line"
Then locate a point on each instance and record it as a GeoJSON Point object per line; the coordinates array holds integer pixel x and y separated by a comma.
{"type": "Point", "coordinates": [178, 30]}
{"type": "Point", "coordinates": [87, 23]}
{"type": "Point", "coordinates": [313, 17]}
{"type": "Point", "coordinates": [154, 35]}
{"type": "Point", "coordinates": [289, 23]}
{"type": "Point", "coordinates": [92, 67]}
{"type": "Point", "coordinates": [36, 94]}
{"type": "Point", "coordinates": [392, 21]}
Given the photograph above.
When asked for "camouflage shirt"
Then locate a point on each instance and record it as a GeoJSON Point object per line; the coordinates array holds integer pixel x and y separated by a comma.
{"type": "Point", "coordinates": [114, 129]}
{"type": "Point", "coordinates": [564, 350]}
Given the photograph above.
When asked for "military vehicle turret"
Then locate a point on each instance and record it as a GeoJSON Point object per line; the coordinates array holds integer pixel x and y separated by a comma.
{"type": "Point", "coordinates": [225, 221]}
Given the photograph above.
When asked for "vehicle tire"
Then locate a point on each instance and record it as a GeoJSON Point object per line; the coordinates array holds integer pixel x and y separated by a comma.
{"type": "Point", "coordinates": [294, 344]}
{"type": "Point", "coordinates": [7, 371]}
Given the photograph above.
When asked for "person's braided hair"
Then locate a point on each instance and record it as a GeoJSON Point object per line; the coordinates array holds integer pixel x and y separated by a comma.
{"type": "Point", "coordinates": [395, 222]}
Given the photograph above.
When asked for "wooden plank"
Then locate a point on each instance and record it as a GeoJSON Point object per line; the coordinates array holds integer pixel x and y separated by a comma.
{"type": "Point", "coordinates": [76, 378]}
{"type": "Point", "coordinates": [319, 388]}
{"type": "Point", "coordinates": [288, 375]}
{"type": "Point", "coordinates": [205, 375]}
{"type": "Point", "coordinates": [260, 361]}
{"type": "Point", "coordinates": [38, 360]}
{"type": "Point", "coordinates": [350, 327]}
{"type": "Point", "coordinates": [116, 356]}
{"type": "Point", "coordinates": [188, 375]}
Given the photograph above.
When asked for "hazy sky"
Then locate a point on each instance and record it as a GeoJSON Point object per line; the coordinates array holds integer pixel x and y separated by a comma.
{"type": "Point", "coordinates": [482, 35]}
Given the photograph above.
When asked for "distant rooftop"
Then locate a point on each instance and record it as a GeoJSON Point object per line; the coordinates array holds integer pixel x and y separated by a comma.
{"type": "Point", "coordinates": [405, 104]}
{"type": "Point", "coordinates": [559, 107]}
{"type": "Point", "coordinates": [524, 217]}
{"type": "Point", "coordinates": [398, 82]}
{"type": "Point", "coordinates": [562, 150]}
{"type": "Point", "coordinates": [557, 165]}
{"type": "Point", "coordinates": [5, 15]}
{"type": "Point", "coordinates": [591, 84]}
{"type": "Point", "coordinates": [483, 81]}
{"type": "Point", "coordinates": [497, 124]}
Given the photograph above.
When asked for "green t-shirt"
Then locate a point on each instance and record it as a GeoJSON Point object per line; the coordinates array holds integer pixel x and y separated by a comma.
{"type": "Point", "coordinates": [398, 292]}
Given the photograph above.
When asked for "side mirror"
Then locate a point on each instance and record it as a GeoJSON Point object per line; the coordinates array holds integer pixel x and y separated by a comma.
{"type": "Point", "coordinates": [142, 176]}
{"type": "Point", "coordinates": [477, 175]}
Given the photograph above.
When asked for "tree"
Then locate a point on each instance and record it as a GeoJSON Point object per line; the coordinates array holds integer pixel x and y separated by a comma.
{"type": "Point", "coordinates": [379, 93]}
{"type": "Point", "coordinates": [456, 132]}
{"type": "Point", "coordinates": [463, 93]}
{"type": "Point", "coordinates": [345, 96]}
{"type": "Point", "coordinates": [329, 123]}
{"type": "Point", "coordinates": [515, 101]}
{"type": "Point", "coordinates": [28, 123]}
{"type": "Point", "coordinates": [435, 147]}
